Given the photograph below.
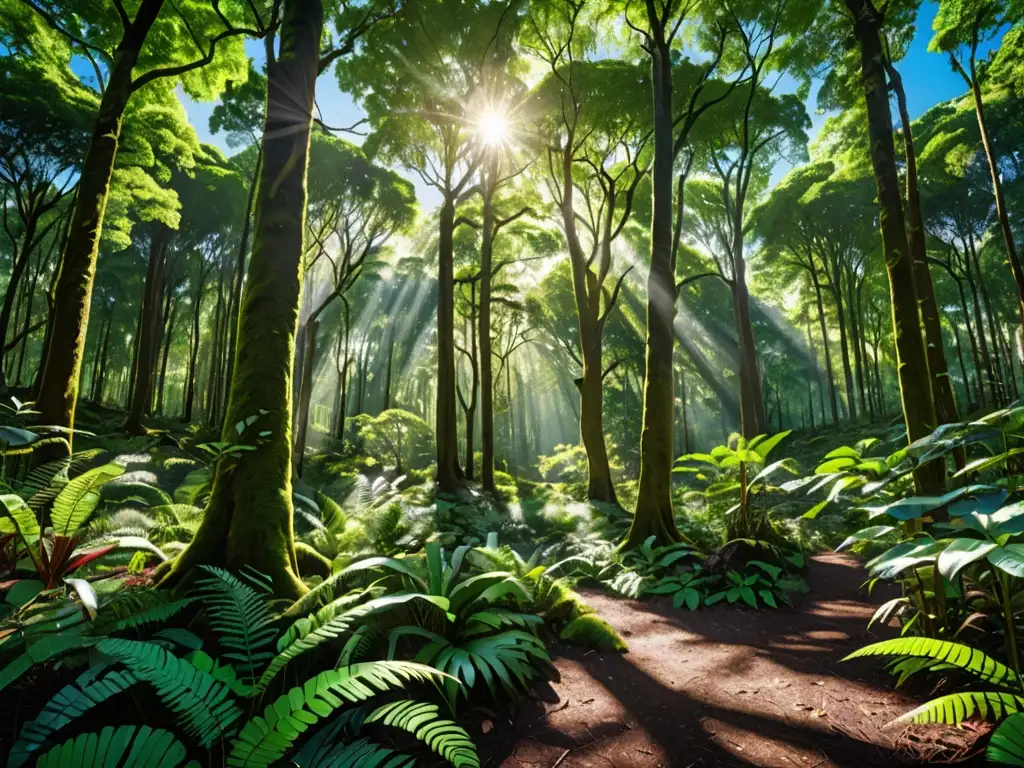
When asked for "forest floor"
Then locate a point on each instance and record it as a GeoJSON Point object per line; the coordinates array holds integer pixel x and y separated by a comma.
{"type": "Point", "coordinates": [728, 687]}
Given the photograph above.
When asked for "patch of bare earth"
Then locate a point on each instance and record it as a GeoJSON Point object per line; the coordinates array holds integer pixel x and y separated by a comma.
{"type": "Point", "coordinates": [726, 687]}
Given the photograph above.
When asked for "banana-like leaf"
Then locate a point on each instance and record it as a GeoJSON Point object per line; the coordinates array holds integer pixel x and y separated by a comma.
{"type": "Point", "coordinates": [80, 497]}
{"type": "Point", "coordinates": [960, 553]}
{"type": "Point", "coordinates": [866, 534]}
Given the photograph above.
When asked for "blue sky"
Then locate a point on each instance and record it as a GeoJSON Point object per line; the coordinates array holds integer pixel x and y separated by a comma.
{"type": "Point", "coordinates": [927, 77]}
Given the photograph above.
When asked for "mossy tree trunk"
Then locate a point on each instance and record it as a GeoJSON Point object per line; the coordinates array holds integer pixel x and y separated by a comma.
{"type": "Point", "coordinates": [248, 520]}
{"type": "Point", "coordinates": [654, 515]}
{"type": "Point", "coordinates": [911, 358]}
{"type": "Point", "coordinates": [942, 388]}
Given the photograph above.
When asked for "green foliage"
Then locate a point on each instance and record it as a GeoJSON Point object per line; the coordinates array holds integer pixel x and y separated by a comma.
{"type": "Point", "coordinates": [592, 631]}
{"type": "Point", "coordinates": [127, 746]}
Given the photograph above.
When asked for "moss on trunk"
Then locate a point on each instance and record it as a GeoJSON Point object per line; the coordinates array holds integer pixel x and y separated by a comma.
{"type": "Point", "coordinates": [248, 520]}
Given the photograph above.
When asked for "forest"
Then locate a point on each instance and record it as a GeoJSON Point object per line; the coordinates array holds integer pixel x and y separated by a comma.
{"type": "Point", "coordinates": [549, 383]}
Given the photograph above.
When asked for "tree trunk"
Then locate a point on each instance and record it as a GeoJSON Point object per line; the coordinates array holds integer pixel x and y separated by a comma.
{"type": "Point", "coordinates": [390, 368]}
{"type": "Point", "coordinates": [997, 189]}
{"type": "Point", "coordinates": [21, 262]}
{"type": "Point", "coordinates": [449, 474]}
{"type": "Point", "coordinates": [193, 357]}
{"type": "Point", "coordinates": [654, 515]}
{"type": "Point", "coordinates": [149, 332]}
{"type": "Point", "coordinates": [912, 362]}
{"type": "Point", "coordinates": [172, 315]}
{"type": "Point", "coordinates": [844, 348]}
{"type": "Point", "coordinates": [979, 327]}
{"type": "Point", "coordinates": [305, 394]}
{"type": "Point", "coordinates": [942, 388]}
{"type": "Point", "coordinates": [753, 421]}
{"type": "Point", "coordinates": [58, 392]}
{"type": "Point", "coordinates": [248, 521]}
{"type": "Point", "coordinates": [101, 367]}
{"type": "Point", "coordinates": [833, 398]}
{"type": "Point", "coordinates": [485, 360]}
{"type": "Point", "coordinates": [243, 249]}
{"type": "Point", "coordinates": [339, 421]}
{"type": "Point", "coordinates": [214, 379]}
{"type": "Point", "coordinates": [978, 387]}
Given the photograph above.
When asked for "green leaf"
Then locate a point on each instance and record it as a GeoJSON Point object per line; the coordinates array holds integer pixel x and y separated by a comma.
{"type": "Point", "coordinates": [954, 708]}
{"type": "Point", "coordinates": [971, 660]}
{"type": "Point", "coordinates": [1007, 743]}
{"type": "Point", "coordinates": [764, 447]}
{"type": "Point", "coordinates": [768, 597]}
{"type": "Point", "coordinates": [80, 497]}
{"type": "Point", "coordinates": [961, 553]}
{"type": "Point", "coordinates": [137, 747]}
{"type": "Point", "coordinates": [444, 737]}
{"type": "Point", "coordinates": [24, 519]}
{"type": "Point", "coordinates": [866, 534]}
{"type": "Point", "coordinates": [265, 739]}
{"type": "Point", "coordinates": [814, 511]}
{"type": "Point", "coordinates": [1009, 558]}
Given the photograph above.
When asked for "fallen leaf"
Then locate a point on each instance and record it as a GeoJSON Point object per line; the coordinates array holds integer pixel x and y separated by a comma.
{"type": "Point", "coordinates": [486, 726]}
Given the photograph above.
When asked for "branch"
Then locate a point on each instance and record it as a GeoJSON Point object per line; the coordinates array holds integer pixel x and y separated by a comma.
{"type": "Point", "coordinates": [52, 22]}
{"type": "Point", "coordinates": [615, 295]}
{"type": "Point", "coordinates": [182, 69]}
{"type": "Point", "coordinates": [694, 278]}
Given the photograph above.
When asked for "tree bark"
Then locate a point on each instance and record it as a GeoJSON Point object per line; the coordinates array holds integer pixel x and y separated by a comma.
{"type": "Point", "coordinates": [654, 515]}
{"type": "Point", "coordinates": [243, 249]}
{"type": "Point", "coordinates": [942, 388]}
{"type": "Point", "coordinates": [485, 360]}
{"type": "Point", "coordinates": [172, 316]}
{"type": "Point", "coordinates": [193, 358]}
{"type": "Point", "coordinates": [833, 398]}
{"type": "Point", "coordinates": [912, 361]}
{"type": "Point", "coordinates": [58, 392]}
{"type": "Point", "coordinates": [249, 517]}
{"type": "Point", "coordinates": [149, 332]}
{"type": "Point", "coordinates": [305, 393]}
{"type": "Point", "coordinates": [449, 473]}
{"type": "Point", "coordinates": [997, 188]}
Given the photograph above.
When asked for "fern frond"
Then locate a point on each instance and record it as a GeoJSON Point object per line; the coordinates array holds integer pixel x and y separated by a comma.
{"type": "Point", "coordinates": [144, 493]}
{"type": "Point", "coordinates": [240, 616]}
{"type": "Point", "coordinates": [200, 701]}
{"type": "Point", "coordinates": [954, 708]}
{"type": "Point", "coordinates": [134, 609]}
{"type": "Point", "coordinates": [137, 747]}
{"type": "Point", "coordinates": [971, 660]}
{"type": "Point", "coordinates": [444, 737]}
{"type": "Point", "coordinates": [312, 631]}
{"type": "Point", "coordinates": [265, 739]}
{"type": "Point", "coordinates": [91, 688]}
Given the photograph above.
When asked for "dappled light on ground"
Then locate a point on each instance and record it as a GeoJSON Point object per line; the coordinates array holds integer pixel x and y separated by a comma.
{"type": "Point", "coordinates": [736, 688]}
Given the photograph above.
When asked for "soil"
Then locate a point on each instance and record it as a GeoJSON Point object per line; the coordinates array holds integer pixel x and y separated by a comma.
{"type": "Point", "coordinates": [727, 687]}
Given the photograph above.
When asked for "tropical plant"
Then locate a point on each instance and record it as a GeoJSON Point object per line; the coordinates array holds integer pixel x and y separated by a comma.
{"type": "Point", "coordinates": [739, 469]}
{"type": "Point", "coordinates": [208, 697]}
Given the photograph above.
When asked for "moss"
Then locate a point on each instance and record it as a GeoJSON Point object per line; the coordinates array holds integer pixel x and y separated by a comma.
{"type": "Point", "coordinates": [591, 631]}
{"type": "Point", "coordinates": [311, 562]}
{"type": "Point", "coordinates": [559, 603]}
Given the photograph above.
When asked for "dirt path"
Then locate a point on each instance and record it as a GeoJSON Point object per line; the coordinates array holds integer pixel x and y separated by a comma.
{"type": "Point", "coordinates": [717, 688]}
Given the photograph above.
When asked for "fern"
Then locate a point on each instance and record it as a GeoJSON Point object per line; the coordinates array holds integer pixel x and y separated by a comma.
{"type": "Point", "coordinates": [128, 746]}
{"type": "Point", "coordinates": [143, 493]}
{"type": "Point", "coordinates": [971, 660]}
{"type": "Point", "coordinates": [444, 737]}
{"type": "Point", "coordinates": [957, 707]}
{"type": "Point", "coordinates": [200, 701]}
{"type": "Point", "coordinates": [239, 614]}
{"type": "Point", "coordinates": [90, 689]}
{"type": "Point", "coordinates": [135, 609]}
{"type": "Point", "coordinates": [312, 631]}
{"type": "Point", "coordinates": [265, 739]}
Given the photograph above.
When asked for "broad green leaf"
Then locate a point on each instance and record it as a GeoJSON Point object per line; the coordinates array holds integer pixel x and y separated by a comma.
{"type": "Point", "coordinates": [961, 553]}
